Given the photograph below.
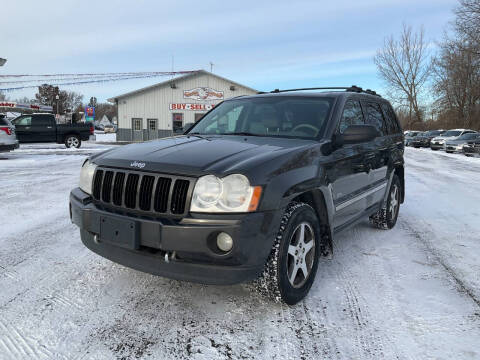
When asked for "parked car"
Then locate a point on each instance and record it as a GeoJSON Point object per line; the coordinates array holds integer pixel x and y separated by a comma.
{"type": "Point", "coordinates": [8, 139]}
{"type": "Point", "coordinates": [109, 129]}
{"type": "Point", "coordinates": [438, 142]}
{"type": "Point", "coordinates": [456, 145]}
{"type": "Point", "coordinates": [257, 189]}
{"type": "Point", "coordinates": [410, 136]}
{"type": "Point", "coordinates": [472, 147]}
{"type": "Point", "coordinates": [43, 128]}
{"type": "Point", "coordinates": [423, 140]}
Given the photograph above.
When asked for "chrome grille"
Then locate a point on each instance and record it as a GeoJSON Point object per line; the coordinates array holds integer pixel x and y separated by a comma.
{"type": "Point", "coordinates": [145, 192]}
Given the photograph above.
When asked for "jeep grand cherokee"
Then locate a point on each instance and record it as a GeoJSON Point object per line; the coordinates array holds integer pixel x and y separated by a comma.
{"type": "Point", "coordinates": [254, 191]}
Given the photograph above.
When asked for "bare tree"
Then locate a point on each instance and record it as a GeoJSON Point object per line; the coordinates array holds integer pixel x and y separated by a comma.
{"type": "Point", "coordinates": [457, 82]}
{"type": "Point", "coordinates": [405, 66]}
{"type": "Point", "coordinates": [467, 23]}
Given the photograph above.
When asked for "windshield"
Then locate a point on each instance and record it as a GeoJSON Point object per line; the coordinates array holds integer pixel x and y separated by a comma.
{"type": "Point", "coordinates": [435, 132]}
{"type": "Point", "coordinates": [296, 117]}
{"type": "Point", "coordinates": [451, 133]}
{"type": "Point", "coordinates": [469, 136]}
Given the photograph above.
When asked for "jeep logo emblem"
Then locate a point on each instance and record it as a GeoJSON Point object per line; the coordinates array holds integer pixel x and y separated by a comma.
{"type": "Point", "coordinates": [137, 164]}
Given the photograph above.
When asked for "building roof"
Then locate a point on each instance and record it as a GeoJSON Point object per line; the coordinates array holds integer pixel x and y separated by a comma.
{"type": "Point", "coordinates": [176, 79]}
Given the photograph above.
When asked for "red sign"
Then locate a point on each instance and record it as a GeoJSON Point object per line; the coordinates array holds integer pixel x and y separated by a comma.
{"type": "Point", "coordinates": [8, 104]}
{"type": "Point", "coordinates": [192, 107]}
{"type": "Point", "coordinates": [89, 111]}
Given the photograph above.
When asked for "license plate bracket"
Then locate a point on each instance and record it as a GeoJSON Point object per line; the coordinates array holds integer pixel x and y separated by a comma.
{"type": "Point", "coordinates": [119, 232]}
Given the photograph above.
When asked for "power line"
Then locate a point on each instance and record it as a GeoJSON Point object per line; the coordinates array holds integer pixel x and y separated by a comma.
{"type": "Point", "coordinates": [80, 79]}
{"type": "Point", "coordinates": [160, 73]}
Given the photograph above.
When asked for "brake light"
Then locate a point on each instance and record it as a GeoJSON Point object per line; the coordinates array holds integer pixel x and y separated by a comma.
{"type": "Point", "coordinates": [91, 130]}
{"type": "Point", "coordinates": [7, 130]}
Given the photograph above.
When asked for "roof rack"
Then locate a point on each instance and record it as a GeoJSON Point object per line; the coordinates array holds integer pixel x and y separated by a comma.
{"type": "Point", "coordinates": [352, 88]}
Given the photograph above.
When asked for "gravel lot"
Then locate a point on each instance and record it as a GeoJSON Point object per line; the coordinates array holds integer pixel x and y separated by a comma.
{"type": "Point", "coordinates": [409, 293]}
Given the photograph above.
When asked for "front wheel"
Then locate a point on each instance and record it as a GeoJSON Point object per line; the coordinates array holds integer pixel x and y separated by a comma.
{"type": "Point", "coordinates": [291, 267]}
{"type": "Point", "coordinates": [72, 141]}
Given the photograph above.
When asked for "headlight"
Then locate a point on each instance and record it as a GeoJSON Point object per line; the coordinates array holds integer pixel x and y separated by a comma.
{"type": "Point", "coordinates": [86, 176]}
{"type": "Point", "coordinates": [232, 193]}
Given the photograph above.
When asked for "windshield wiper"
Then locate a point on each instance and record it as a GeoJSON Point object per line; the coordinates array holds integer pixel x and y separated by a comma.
{"type": "Point", "coordinates": [198, 135]}
{"type": "Point", "coordinates": [241, 133]}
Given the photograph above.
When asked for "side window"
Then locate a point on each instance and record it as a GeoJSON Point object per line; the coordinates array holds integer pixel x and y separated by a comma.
{"type": "Point", "coordinates": [42, 120]}
{"type": "Point", "coordinates": [352, 115]}
{"type": "Point", "coordinates": [375, 117]}
{"type": "Point", "coordinates": [391, 120]}
{"type": "Point", "coordinates": [24, 121]}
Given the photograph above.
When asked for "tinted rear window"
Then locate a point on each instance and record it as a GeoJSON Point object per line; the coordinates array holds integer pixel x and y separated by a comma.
{"type": "Point", "coordinates": [375, 117]}
{"type": "Point", "coordinates": [3, 121]}
{"type": "Point", "coordinates": [391, 120]}
{"type": "Point", "coordinates": [43, 120]}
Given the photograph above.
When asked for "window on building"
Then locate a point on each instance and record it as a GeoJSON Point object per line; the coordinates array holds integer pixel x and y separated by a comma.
{"type": "Point", "coordinates": [177, 122]}
{"type": "Point", "coordinates": [137, 124]}
{"type": "Point", "coordinates": [152, 124]}
{"type": "Point", "coordinates": [352, 115]}
{"type": "Point", "coordinates": [375, 117]}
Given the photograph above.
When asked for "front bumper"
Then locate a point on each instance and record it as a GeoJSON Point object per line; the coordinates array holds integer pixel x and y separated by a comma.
{"type": "Point", "coordinates": [9, 147]}
{"type": "Point", "coordinates": [191, 238]}
{"type": "Point", "coordinates": [453, 148]}
{"type": "Point", "coordinates": [437, 146]}
{"type": "Point", "coordinates": [420, 143]}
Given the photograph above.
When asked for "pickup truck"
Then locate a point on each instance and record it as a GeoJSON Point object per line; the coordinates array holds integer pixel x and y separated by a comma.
{"type": "Point", "coordinates": [42, 128]}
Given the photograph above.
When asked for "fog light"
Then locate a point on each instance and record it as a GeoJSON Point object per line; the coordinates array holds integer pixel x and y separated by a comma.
{"type": "Point", "coordinates": [224, 242]}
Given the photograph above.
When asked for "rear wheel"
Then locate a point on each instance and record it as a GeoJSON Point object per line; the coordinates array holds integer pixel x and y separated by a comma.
{"type": "Point", "coordinates": [291, 267]}
{"type": "Point", "coordinates": [72, 141]}
{"type": "Point", "coordinates": [386, 218]}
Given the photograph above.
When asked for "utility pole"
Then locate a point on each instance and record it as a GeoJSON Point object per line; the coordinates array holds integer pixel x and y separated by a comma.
{"type": "Point", "coordinates": [211, 66]}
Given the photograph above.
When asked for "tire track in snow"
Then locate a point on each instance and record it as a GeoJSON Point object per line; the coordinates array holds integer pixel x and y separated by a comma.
{"type": "Point", "coordinates": [461, 285]}
{"type": "Point", "coordinates": [367, 342]}
{"type": "Point", "coordinates": [17, 346]}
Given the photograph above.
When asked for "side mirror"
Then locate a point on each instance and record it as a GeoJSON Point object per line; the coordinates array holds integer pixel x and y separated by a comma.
{"type": "Point", "coordinates": [355, 134]}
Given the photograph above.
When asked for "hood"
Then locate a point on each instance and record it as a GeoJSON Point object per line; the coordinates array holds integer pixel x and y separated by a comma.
{"type": "Point", "coordinates": [195, 156]}
{"type": "Point", "coordinates": [456, 141]}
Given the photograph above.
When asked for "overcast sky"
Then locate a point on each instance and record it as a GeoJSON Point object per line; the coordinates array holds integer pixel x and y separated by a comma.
{"type": "Point", "coordinates": [262, 44]}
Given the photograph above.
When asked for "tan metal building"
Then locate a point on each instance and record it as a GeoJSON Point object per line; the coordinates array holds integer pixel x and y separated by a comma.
{"type": "Point", "coordinates": [163, 109]}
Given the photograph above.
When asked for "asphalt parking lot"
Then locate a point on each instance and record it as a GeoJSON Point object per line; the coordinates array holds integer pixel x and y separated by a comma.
{"type": "Point", "coordinates": [409, 293]}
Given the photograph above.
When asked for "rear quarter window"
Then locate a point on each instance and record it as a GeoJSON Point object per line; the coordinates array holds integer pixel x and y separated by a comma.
{"type": "Point", "coordinates": [375, 117]}
{"type": "Point", "coordinates": [391, 122]}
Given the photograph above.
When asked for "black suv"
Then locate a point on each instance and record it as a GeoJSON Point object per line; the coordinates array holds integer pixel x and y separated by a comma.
{"type": "Point", "coordinates": [255, 190]}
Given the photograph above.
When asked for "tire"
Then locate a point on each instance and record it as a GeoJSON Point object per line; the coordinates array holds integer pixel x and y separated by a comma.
{"type": "Point", "coordinates": [387, 217]}
{"type": "Point", "coordinates": [73, 141]}
{"type": "Point", "coordinates": [275, 281]}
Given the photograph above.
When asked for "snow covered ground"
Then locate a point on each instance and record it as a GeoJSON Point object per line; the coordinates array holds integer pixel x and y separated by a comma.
{"type": "Point", "coordinates": [409, 293]}
{"type": "Point", "coordinates": [108, 137]}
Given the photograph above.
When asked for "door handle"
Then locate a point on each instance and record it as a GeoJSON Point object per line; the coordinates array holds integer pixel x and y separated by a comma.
{"type": "Point", "coordinates": [49, 127]}
{"type": "Point", "coordinates": [362, 168]}
{"type": "Point", "coordinates": [27, 127]}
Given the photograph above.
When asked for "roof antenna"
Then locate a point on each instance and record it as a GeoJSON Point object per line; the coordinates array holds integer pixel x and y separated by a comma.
{"type": "Point", "coordinates": [211, 66]}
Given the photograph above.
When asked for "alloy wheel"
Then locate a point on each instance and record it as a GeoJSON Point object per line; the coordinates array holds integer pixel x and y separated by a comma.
{"type": "Point", "coordinates": [301, 254]}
